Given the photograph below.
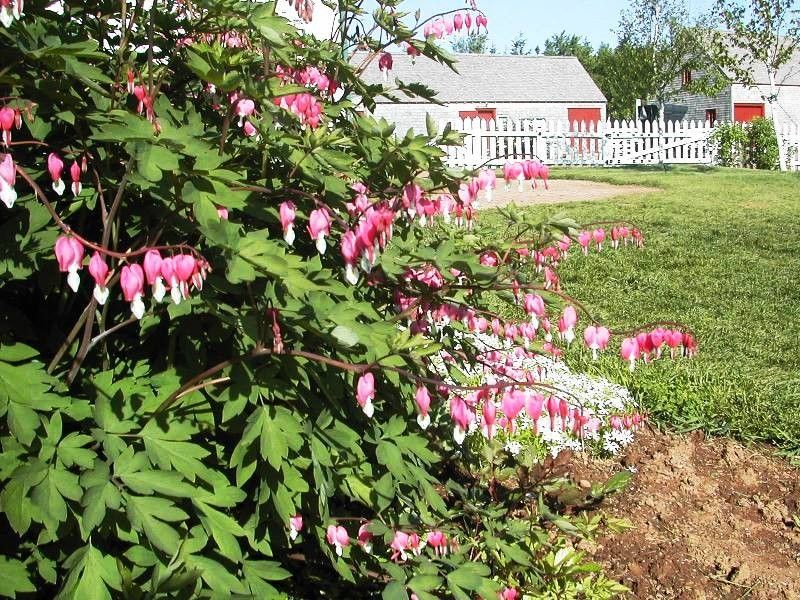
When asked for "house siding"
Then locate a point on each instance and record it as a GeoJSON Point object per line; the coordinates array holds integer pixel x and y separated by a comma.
{"type": "Point", "coordinates": [686, 106]}
{"type": "Point", "coordinates": [412, 115]}
{"type": "Point", "coordinates": [787, 109]}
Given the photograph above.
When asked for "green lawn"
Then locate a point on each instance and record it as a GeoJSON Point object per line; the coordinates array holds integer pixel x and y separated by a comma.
{"type": "Point", "coordinates": [723, 256]}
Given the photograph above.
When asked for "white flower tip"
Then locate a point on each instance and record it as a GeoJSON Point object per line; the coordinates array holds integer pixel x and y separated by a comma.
{"type": "Point", "coordinates": [338, 550]}
{"type": "Point", "coordinates": [137, 307]}
{"type": "Point", "coordinates": [100, 294]}
{"type": "Point", "coordinates": [293, 534]}
{"type": "Point", "coordinates": [8, 195]}
{"type": "Point", "coordinates": [322, 245]}
{"type": "Point", "coordinates": [424, 421]}
{"type": "Point", "coordinates": [59, 187]}
{"type": "Point", "coordinates": [288, 236]}
{"type": "Point", "coordinates": [459, 435]}
{"type": "Point", "coordinates": [175, 292]}
{"type": "Point", "coordinates": [74, 280]}
{"type": "Point", "coordinates": [369, 409]}
{"type": "Point", "coordinates": [351, 275]}
{"type": "Point", "coordinates": [159, 290]}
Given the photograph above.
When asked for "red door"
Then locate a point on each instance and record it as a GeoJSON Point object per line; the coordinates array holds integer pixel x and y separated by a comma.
{"type": "Point", "coordinates": [744, 113]}
{"type": "Point", "coordinates": [586, 115]}
{"type": "Point", "coordinates": [586, 119]}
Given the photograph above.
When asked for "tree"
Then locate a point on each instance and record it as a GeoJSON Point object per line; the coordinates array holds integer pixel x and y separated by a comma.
{"type": "Point", "coordinates": [472, 43]}
{"type": "Point", "coordinates": [622, 75]}
{"type": "Point", "coordinates": [518, 45]}
{"type": "Point", "coordinates": [761, 34]}
{"type": "Point", "coordinates": [658, 43]}
{"type": "Point", "coordinates": [564, 44]}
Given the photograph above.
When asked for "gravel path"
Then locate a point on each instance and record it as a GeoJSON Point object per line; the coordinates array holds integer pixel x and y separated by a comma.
{"type": "Point", "coordinates": [561, 190]}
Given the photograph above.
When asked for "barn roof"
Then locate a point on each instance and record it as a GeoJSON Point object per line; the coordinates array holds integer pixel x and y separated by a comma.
{"type": "Point", "coordinates": [494, 78]}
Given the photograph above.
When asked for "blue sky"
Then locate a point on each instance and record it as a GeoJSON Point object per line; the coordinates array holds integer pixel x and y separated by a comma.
{"type": "Point", "coordinates": [537, 20]}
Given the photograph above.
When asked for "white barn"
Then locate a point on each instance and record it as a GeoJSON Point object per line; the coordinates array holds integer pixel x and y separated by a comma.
{"type": "Point", "coordinates": [738, 102]}
{"type": "Point", "coordinates": [491, 86]}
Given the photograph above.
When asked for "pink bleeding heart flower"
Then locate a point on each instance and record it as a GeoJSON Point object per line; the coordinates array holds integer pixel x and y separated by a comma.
{"type": "Point", "coordinates": [512, 404]}
{"type": "Point", "coordinates": [365, 393]}
{"type": "Point", "coordinates": [584, 239]}
{"type": "Point", "coordinates": [462, 416]}
{"type": "Point", "coordinates": [249, 129]}
{"type": "Point", "coordinates": [399, 546]}
{"type": "Point", "coordinates": [509, 594]}
{"type": "Point", "coordinates": [56, 167]}
{"type": "Point", "coordinates": [596, 338]}
{"type": "Point", "coordinates": [438, 541]}
{"type": "Point", "coordinates": [244, 108]}
{"type": "Point", "coordinates": [319, 226]}
{"type": "Point", "coordinates": [629, 352]}
{"type": "Point", "coordinates": [222, 213]}
{"type": "Point", "coordinates": [338, 538]}
{"type": "Point", "coordinates": [350, 253]}
{"type": "Point", "coordinates": [185, 265]}
{"type": "Point", "coordinates": [287, 214]}
{"type": "Point", "coordinates": [7, 118]}
{"type": "Point", "coordinates": [534, 306]}
{"type": "Point", "coordinates": [489, 418]}
{"type": "Point", "coordinates": [423, 400]}
{"type": "Point", "coordinates": [599, 235]}
{"type": "Point", "coordinates": [295, 526]}
{"type": "Point", "coordinates": [75, 174]}
{"type": "Point", "coordinates": [170, 278]}
{"type": "Point", "coordinates": [98, 269]}
{"type": "Point", "coordinates": [534, 403]}
{"type": "Point", "coordinates": [132, 283]}
{"type": "Point", "coordinates": [69, 254]}
{"type": "Point", "coordinates": [8, 177]}
{"type": "Point", "coordinates": [385, 63]}
{"type": "Point", "coordinates": [552, 405]}
{"type": "Point", "coordinates": [152, 270]}
{"type": "Point", "coordinates": [365, 537]}
{"type": "Point", "coordinates": [566, 324]}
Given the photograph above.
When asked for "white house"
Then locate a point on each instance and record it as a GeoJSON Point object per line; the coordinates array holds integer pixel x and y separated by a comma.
{"type": "Point", "coordinates": [491, 86]}
{"type": "Point", "coordinates": [738, 102]}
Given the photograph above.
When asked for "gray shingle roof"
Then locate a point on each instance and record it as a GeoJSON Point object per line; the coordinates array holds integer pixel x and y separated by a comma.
{"type": "Point", "coordinates": [788, 74]}
{"type": "Point", "coordinates": [494, 78]}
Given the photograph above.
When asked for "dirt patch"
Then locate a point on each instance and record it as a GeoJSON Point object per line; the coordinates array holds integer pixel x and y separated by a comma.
{"type": "Point", "coordinates": [561, 190]}
{"type": "Point", "coordinates": [711, 518]}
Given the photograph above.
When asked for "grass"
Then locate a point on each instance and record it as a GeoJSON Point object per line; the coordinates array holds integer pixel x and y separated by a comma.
{"type": "Point", "coordinates": [723, 256]}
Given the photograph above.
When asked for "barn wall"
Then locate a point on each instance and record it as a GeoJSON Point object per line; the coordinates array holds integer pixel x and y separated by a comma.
{"type": "Point", "coordinates": [412, 115]}
{"type": "Point", "coordinates": [788, 108]}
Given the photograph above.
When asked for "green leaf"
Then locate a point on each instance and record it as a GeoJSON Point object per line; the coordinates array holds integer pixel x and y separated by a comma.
{"type": "Point", "coordinates": [223, 529]}
{"type": "Point", "coordinates": [148, 515]}
{"type": "Point", "coordinates": [14, 578]}
{"type": "Point", "coordinates": [168, 483]}
{"type": "Point", "coordinates": [345, 336]}
{"type": "Point", "coordinates": [16, 352]}
{"type": "Point", "coordinates": [394, 591]}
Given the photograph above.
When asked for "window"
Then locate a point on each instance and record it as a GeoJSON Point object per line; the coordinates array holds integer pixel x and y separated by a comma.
{"type": "Point", "coordinates": [711, 115]}
{"type": "Point", "coordinates": [687, 77]}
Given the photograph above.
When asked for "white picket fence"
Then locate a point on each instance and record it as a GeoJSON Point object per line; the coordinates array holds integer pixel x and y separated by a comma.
{"type": "Point", "coordinates": [493, 143]}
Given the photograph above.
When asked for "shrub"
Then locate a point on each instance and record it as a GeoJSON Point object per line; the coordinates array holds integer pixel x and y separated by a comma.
{"type": "Point", "coordinates": [762, 145]}
{"type": "Point", "coordinates": [731, 142]}
{"type": "Point", "coordinates": [751, 145]}
{"type": "Point", "coordinates": [215, 370]}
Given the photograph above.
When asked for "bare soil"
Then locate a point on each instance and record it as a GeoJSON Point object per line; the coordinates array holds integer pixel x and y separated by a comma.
{"type": "Point", "coordinates": [561, 190]}
{"type": "Point", "coordinates": [712, 519]}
